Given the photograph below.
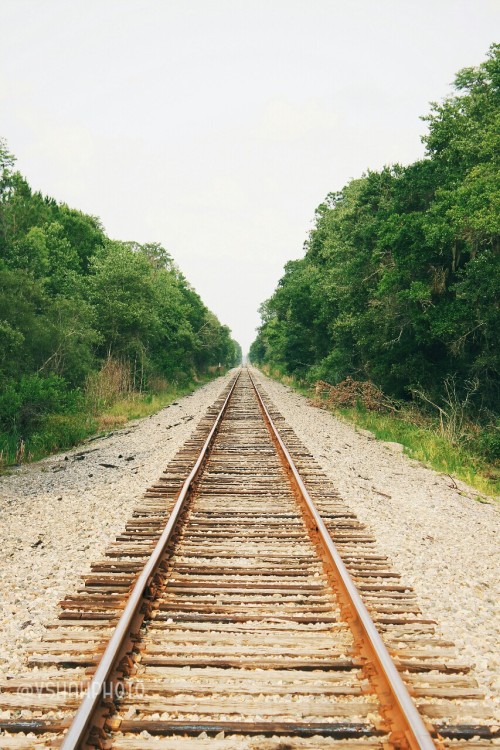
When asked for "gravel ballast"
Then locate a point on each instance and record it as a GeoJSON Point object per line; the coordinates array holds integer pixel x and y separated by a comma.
{"type": "Point", "coordinates": [444, 542]}
{"type": "Point", "coordinates": [60, 514]}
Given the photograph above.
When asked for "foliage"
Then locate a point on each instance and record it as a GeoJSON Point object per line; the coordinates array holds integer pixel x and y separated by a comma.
{"type": "Point", "coordinates": [400, 279]}
{"type": "Point", "coordinates": [25, 402]}
{"type": "Point", "coordinates": [424, 443]}
{"type": "Point", "coordinates": [133, 405]}
{"type": "Point", "coordinates": [474, 460]}
{"type": "Point", "coordinates": [73, 305]}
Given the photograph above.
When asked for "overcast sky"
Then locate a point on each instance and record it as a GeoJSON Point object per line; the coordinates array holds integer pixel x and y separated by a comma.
{"type": "Point", "coordinates": [217, 126]}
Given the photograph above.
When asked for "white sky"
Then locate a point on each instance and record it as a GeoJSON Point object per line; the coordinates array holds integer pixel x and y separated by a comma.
{"type": "Point", "coordinates": [217, 126]}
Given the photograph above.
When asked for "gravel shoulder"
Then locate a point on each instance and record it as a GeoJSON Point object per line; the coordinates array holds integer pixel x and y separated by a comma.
{"type": "Point", "coordinates": [443, 541]}
{"type": "Point", "coordinates": [58, 515]}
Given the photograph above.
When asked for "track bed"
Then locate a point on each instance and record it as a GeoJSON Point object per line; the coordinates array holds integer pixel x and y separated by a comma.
{"type": "Point", "coordinates": [243, 638]}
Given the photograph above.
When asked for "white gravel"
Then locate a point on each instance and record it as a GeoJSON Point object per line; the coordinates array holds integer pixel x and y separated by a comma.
{"type": "Point", "coordinates": [444, 542]}
{"type": "Point", "coordinates": [59, 515]}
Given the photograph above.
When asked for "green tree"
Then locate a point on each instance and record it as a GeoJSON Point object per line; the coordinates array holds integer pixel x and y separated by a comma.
{"type": "Point", "coordinates": [399, 283]}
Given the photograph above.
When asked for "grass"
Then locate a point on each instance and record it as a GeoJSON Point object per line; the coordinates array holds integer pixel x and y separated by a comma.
{"type": "Point", "coordinates": [59, 432]}
{"type": "Point", "coordinates": [56, 433]}
{"type": "Point", "coordinates": [137, 406]}
{"type": "Point", "coordinates": [428, 446]}
{"type": "Point", "coordinates": [419, 436]}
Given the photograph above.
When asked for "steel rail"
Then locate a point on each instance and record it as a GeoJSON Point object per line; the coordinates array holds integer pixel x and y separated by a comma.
{"type": "Point", "coordinates": [80, 725]}
{"type": "Point", "coordinates": [415, 730]}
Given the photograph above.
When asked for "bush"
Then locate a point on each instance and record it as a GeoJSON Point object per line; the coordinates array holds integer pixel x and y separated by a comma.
{"type": "Point", "coordinates": [60, 431]}
{"type": "Point", "coordinates": [487, 443]}
{"type": "Point", "coordinates": [25, 403]}
{"type": "Point", "coordinates": [113, 381]}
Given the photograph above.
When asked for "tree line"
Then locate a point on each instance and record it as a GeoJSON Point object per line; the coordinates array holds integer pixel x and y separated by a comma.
{"type": "Point", "coordinates": [401, 275]}
{"type": "Point", "coordinates": [72, 301]}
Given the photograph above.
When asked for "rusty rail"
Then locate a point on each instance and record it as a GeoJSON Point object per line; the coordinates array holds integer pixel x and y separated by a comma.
{"type": "Point", "coordinates": [405, 715]}
{"type": "Point", "coordinates": [80, 725]}
{"type": "Point", "coordinates": [406, 723]}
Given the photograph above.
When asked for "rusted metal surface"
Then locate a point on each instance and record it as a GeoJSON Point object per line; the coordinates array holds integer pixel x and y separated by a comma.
{"type": "Point", "coordinates": [406, 719]}
{"type": "Point", "coordinates": [78, 731]}
{"type": "Point", "coordinates": [243, 636]}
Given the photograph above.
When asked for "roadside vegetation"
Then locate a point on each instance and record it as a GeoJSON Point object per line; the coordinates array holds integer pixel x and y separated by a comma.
{"type": "Point", "coordinates": [422, 436]}
{"type": "Point", "coordinates": [93, 331]}
{"type": "Point", "coordinates": [399, 287]}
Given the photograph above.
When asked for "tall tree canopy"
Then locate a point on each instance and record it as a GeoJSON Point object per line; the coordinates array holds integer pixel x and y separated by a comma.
{"type": "Point", "coordinates": [71, 298]}
{"type": "Point", "coordinates": [401, 275]}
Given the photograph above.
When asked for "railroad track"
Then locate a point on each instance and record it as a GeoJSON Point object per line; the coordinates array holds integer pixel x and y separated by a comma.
{"type": "Point", "coordinates": [244, 606]}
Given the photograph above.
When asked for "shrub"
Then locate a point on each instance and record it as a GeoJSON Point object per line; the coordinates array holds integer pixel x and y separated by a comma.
{"type": "Point", "coordinates": [488, 443]}
{"type": "Point", "coordinates": [25, 403]}
{"type": "Point", "coordinates": [109, 384]}
{"type": "Point", "coordinates": [60, 431]}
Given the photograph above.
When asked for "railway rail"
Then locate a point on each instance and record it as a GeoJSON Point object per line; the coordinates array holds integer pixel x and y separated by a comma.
{"type": "Point", "coordinates": [244, 606]}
